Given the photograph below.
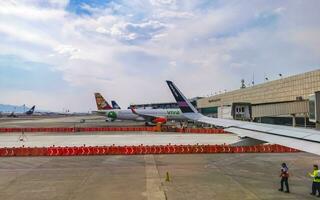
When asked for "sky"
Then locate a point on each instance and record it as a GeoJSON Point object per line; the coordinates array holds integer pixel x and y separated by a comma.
{"type": "Point", "coordinates": [57, 53]}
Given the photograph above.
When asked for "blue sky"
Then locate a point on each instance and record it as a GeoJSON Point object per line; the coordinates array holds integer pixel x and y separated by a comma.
{"type": "Point", "coordinates": [56, 53]}
{"type": "Point", "coordinates": [77, 6]}
{"type": "Point", "coordinates": [16, 73]}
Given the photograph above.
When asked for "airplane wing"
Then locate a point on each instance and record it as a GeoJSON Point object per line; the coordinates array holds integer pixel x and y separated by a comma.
{"type": "Point", "coordinates": [150, 118]}
{"type": "Point", "coordinates": [254, 133]}
{"type": "Point", "coordinates": [146, 117]}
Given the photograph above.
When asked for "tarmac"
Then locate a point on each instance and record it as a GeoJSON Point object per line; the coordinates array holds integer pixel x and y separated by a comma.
{"type": "Point", "coordinates": [192, 176]}
{"type": "Point", "coordinates": [99, 138]}
{"type": "Point", "coordinates": [118, 139]}
{"type": "Point", "coordinates": [200, 176]}
{"type": "Point", "coordinates": [70, 121]}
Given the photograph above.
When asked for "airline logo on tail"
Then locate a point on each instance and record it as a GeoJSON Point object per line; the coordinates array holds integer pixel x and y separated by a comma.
{"type": "Point", "coordinates": [102, 104]}
{"type": "Point", "coordinates": [31, 111]}
{"type": "Point", "coordinates": [115, 105]}
{"type": "Point", "coordinates": [181, 100]}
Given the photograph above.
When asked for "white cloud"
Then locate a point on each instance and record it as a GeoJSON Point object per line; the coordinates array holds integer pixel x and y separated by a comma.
{"type": "Point", "coordinates": [279, 10]}
{"type": "Point", "coordinates": [133, 31]}
{"type": "Point", "coordinates": [127, 51]}
{"type": "Point", "coordinates": [27, 11]}
{"type": "Point", "coordinates": [163, 2]}
{"type": "Point", "coordinates": [22, 34]}
{"type": "Point", "coordinates": [173, 14]}
{"type": "Point", "coordinates": [67, 50]}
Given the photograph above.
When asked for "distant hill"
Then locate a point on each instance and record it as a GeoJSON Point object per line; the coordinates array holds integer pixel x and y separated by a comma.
{"type": "Point", "coordinates": [10, 108]}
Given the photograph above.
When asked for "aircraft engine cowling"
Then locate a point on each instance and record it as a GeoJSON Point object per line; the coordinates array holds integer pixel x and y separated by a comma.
{"type": "Point", "coordinates": [161, 120]}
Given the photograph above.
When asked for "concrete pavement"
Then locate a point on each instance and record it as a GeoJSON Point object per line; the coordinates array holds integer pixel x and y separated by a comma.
{"type": "Point", "coordinates": [202, 176]}
{"type": "Point", "coordinates": [120, 139]}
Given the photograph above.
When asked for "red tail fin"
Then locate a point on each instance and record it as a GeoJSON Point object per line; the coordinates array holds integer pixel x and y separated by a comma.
{"type": "Point", "coordinates": [102, 104]}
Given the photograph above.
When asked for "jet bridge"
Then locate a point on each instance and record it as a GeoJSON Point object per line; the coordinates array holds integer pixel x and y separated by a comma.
{"type": "Point", "coordinates": [314, 108]}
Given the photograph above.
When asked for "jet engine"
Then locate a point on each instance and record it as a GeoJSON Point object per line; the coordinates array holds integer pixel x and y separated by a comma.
{"type": "Point", "coordinates": [161, 120]}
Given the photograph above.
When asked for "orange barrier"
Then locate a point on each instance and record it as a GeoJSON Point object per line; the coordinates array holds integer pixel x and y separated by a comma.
{"type": "Point", "coordinates": [106, 129]}
{"type": "Point", "coordinates": [201, 130]}
{"type": "Point", "coordinates": [138, 150]}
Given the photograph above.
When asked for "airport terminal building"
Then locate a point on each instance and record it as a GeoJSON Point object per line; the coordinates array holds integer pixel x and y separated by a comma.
{"type": "Point", "coordinates": [282, 101]}
{"type": "Point", "coordinates": [164, 105]}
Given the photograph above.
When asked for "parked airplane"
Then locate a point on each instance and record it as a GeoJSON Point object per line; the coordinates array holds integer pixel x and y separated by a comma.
{"type": "Point", "coordinates": [29, 112]}
{"type": "Point", "coordinates": [115, 105]}
{"type": "Point", "coordinates": [147, 115]}
{"type": "Point", "coordinates": [252, 133]}
{"type": "Point", "coordinates": [159, 115]}
{"type": "Point", "coordinates": [102, 104]}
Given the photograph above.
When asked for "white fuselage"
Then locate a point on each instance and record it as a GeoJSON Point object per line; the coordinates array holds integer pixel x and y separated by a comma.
{"type": "Point", "coordinates": [169, 114]}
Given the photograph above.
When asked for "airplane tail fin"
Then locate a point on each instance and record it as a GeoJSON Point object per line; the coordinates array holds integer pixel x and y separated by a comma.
{"type": "Point", "coordinates": [183, 103]}
{"type": "Point", "coordinates": [115, 105]}
{"type": "Point", "coordinates": [102, 104]}
{"type": "Point", "coordinates": [133, 110]}
{"type": "Point", "coordinates": [31, 111]}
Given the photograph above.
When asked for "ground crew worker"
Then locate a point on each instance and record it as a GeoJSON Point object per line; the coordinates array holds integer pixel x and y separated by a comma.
{"type": "Point", "coordinates": [284, 177]}
{"type": "Point", "coordinates": [316, 180]}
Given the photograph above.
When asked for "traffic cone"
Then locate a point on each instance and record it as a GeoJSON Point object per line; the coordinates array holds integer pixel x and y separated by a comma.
{"type": "Point", "coordinates": [167, 177]}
